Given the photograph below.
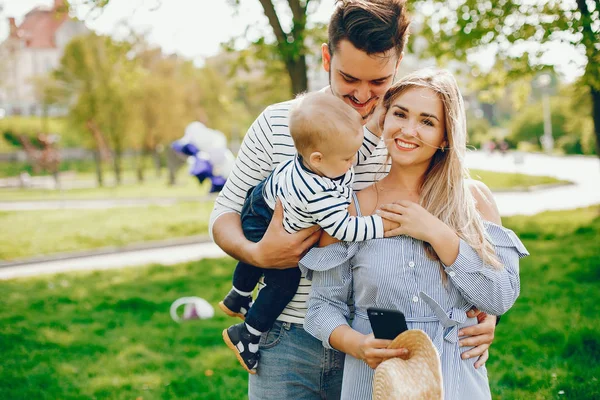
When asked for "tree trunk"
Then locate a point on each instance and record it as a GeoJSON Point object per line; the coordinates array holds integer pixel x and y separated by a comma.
{"type": "Point", "coordinates": [117, 166]}
{"type": "Point", "coordinates": [298, 75]}
{"type": "Point", "coordinates": [596, 116]}
{"type": "Point", "coordinates": [56, 176]}
{"type": "Point", "coordinates": [98, 163]}
{"type": "Point", "coordinates": [157, 161]}
{"type": "Point", "coordinates": [140, 166]}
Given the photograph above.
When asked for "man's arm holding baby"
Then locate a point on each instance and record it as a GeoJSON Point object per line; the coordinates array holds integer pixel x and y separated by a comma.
{"type": "Point", "coordinates": [277, 249]}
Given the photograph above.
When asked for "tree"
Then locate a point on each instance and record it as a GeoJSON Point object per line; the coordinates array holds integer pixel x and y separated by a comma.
{"type": "Point", "coordinates": [460, 29]}
{"type": "Point", "coordinates": [163, 107]}
{"type": "Point", "coordinates": [97, 78]}
{"type": "Point", "coordinates": [290, 43]}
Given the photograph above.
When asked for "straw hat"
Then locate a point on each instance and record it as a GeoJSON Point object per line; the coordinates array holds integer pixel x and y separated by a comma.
{"type": "Point", "coordinates": [418, 377]}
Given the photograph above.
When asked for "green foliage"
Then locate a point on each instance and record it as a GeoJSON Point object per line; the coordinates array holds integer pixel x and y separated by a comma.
{"type": "Point", "coordinates": [32, 126]}
{"type": "Point", "coordinates": [15, 168]}
{"type": "Point", "coordinates": [478, 131]}
{"type": "Point", "coordinates": [518, 33]}
{"type": "Point", "coordinates": [289, 41]}
{"type": "Point", "coordinates": [528, 124]}
{"type": "Point", "coordinates": [528, 147]}
{"type": "Point", "coordinates": [454, 30]}
{"type": "Point", "coordinates": [97, 77]}
{"type": "Point", "coordinates": [572, 124]}
{"type": "Point", "coordinates": [77, 335]}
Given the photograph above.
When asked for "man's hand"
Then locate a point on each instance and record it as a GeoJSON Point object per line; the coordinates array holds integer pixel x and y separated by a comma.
{"type": "Point", "coordinates": [481, 336]}
{"type": "Point", "coordinates": [373, 121]}
{"type": "Point", "coordinates": [279, 249]}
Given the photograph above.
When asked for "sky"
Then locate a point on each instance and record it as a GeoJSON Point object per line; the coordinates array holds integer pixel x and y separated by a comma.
{"type": "Point", "coordinates": [196, 28]}
{"type": "Point", "coordinates": [192, 28]}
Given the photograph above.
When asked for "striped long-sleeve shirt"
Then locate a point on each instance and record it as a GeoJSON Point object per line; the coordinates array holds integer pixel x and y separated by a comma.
{"type": "Point", "coordinates": [309, 199]}
{"type": "Point", "coordinates": [396, 273]}
{"type": "Point", "coordinates": [267, 144]}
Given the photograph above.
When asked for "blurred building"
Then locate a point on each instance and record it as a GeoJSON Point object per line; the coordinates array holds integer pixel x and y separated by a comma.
{"type": "Point", "coordinates": [33, 49]}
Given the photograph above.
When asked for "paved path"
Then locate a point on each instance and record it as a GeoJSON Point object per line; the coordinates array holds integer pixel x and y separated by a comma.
{"type": "Point", "coordinates": [583, 171]}
{"type": "Point", "coordinates": [164, 256]}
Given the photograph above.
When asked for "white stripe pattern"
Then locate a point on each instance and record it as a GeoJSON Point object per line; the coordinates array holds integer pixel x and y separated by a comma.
{"type": "Point", "coordinates": [266, 145]}
{"type": "Point", "coordinates": [309, 199]}
{"type": "Point", "coordinates": [395, 273]}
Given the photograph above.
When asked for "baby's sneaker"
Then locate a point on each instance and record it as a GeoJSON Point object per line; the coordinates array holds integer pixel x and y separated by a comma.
{"type": "Point", "coordinates": [244, 344]}
{"type": "Point", "coordinates": [236, 305]}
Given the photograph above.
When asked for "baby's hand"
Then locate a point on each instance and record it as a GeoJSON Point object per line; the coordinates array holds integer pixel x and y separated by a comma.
{"type": "Point", "coordinates": [389, 225]}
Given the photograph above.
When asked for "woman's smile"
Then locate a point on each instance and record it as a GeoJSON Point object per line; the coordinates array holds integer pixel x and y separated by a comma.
{"type": "Point", "coordinates": [403, 145]}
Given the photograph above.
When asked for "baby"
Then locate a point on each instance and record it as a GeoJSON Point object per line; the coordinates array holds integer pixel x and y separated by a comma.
{"type": "Point", "coordinates": [315, 187]}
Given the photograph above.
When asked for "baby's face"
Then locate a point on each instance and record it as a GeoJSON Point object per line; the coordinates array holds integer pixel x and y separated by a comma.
{"type": "Point", "coordinates": [338, 157]}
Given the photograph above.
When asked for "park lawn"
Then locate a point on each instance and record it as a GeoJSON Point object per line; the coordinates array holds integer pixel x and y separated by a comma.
{"type": "Point", "coordinates": [152, 187]}
{"type": "Point", "coordinates": [188, 186]}
{"type": "Point", "coordinates": [108, 335]}
{"type": "Point", "coordinates": [31, 233]}
{"type": "Point", "coordinates": [501, 181]}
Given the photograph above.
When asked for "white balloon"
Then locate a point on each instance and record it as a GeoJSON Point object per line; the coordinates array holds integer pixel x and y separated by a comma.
{"type": "Point", "coordinates": [204, 138]}
{"type": "Point", "coordinates": [222, 160]}
{"type": "Point", "coordinates": [195, 308]}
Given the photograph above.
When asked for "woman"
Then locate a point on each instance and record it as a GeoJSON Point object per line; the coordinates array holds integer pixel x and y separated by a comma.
{"type": "Point", "coordinates": [451, 252]}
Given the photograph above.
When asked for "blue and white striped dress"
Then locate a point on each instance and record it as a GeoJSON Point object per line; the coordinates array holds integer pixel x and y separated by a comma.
{"type": "Point", "coordinates": [395, 273]}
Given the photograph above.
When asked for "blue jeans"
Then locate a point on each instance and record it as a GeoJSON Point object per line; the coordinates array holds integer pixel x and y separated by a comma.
{"type": "Point", "coordinates": [295, 365]}
{"type": "Point", "coordinates": [281, 284]}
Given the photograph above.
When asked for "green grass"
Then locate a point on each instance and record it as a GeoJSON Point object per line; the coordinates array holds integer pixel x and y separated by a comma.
{"type": "Point", "coordinates": [510, 181]}
{"type": "Point", "coordinates": [549, 341]}
{"type": "Point", "coordinates": [153, 186]}
{"type": "Point", "coordinates": [31, 233]}
{"type": "Point", "coordinates": [188, 186]}
{"type": "Point", "coordinates": [108, 335]}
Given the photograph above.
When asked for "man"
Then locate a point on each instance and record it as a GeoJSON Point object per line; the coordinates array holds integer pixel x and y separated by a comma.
{"type": "Point", "coordinates": [366, 44]}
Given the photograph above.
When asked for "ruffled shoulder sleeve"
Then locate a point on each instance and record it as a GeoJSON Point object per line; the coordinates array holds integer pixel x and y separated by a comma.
{"type": "Point", "coordinates": [328, 257]}
{"type": "Point", "coordinates": [503, 237]}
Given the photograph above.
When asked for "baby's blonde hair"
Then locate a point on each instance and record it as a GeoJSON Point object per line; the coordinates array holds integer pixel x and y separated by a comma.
{"type": "Point", "coordinates": [319, 120]}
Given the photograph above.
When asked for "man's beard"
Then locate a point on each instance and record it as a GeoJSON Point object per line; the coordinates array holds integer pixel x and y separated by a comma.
{"type": "Point", "coordinates": [364, 117]}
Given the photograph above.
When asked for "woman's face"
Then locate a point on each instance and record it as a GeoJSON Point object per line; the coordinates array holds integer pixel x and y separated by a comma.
{"type": "Point", "coordinates": [414, 127]}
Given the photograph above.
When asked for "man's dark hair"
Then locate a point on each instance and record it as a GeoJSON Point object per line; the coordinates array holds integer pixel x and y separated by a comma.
{"type": "Point", "coordinates": [373, 26]}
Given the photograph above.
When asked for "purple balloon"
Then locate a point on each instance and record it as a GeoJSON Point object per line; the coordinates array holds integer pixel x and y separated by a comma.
{"type": "Point", "coordinates": [202, 169]}
{"type": "Point", "coordinates": [188, 149]}
{"type": "Point", "coordinates": [217, 184]}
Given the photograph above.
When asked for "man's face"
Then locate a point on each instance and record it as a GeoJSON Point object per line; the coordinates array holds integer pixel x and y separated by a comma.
{"type": "Point", "coordinates": [358, 78]}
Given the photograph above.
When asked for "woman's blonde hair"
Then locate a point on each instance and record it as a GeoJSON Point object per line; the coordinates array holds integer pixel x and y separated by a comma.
{"type": "Point", "coordinates": [444, 192]}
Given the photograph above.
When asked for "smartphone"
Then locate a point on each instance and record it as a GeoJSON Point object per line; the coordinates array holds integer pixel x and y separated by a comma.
{"type": "Point", "coordinates": [386, 324]}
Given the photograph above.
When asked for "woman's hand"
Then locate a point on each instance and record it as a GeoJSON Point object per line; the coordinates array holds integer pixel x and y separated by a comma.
{"type": "Point", "coordinates": [374, 351]}
{"type": "Point", "coordinates": [413, 220]}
